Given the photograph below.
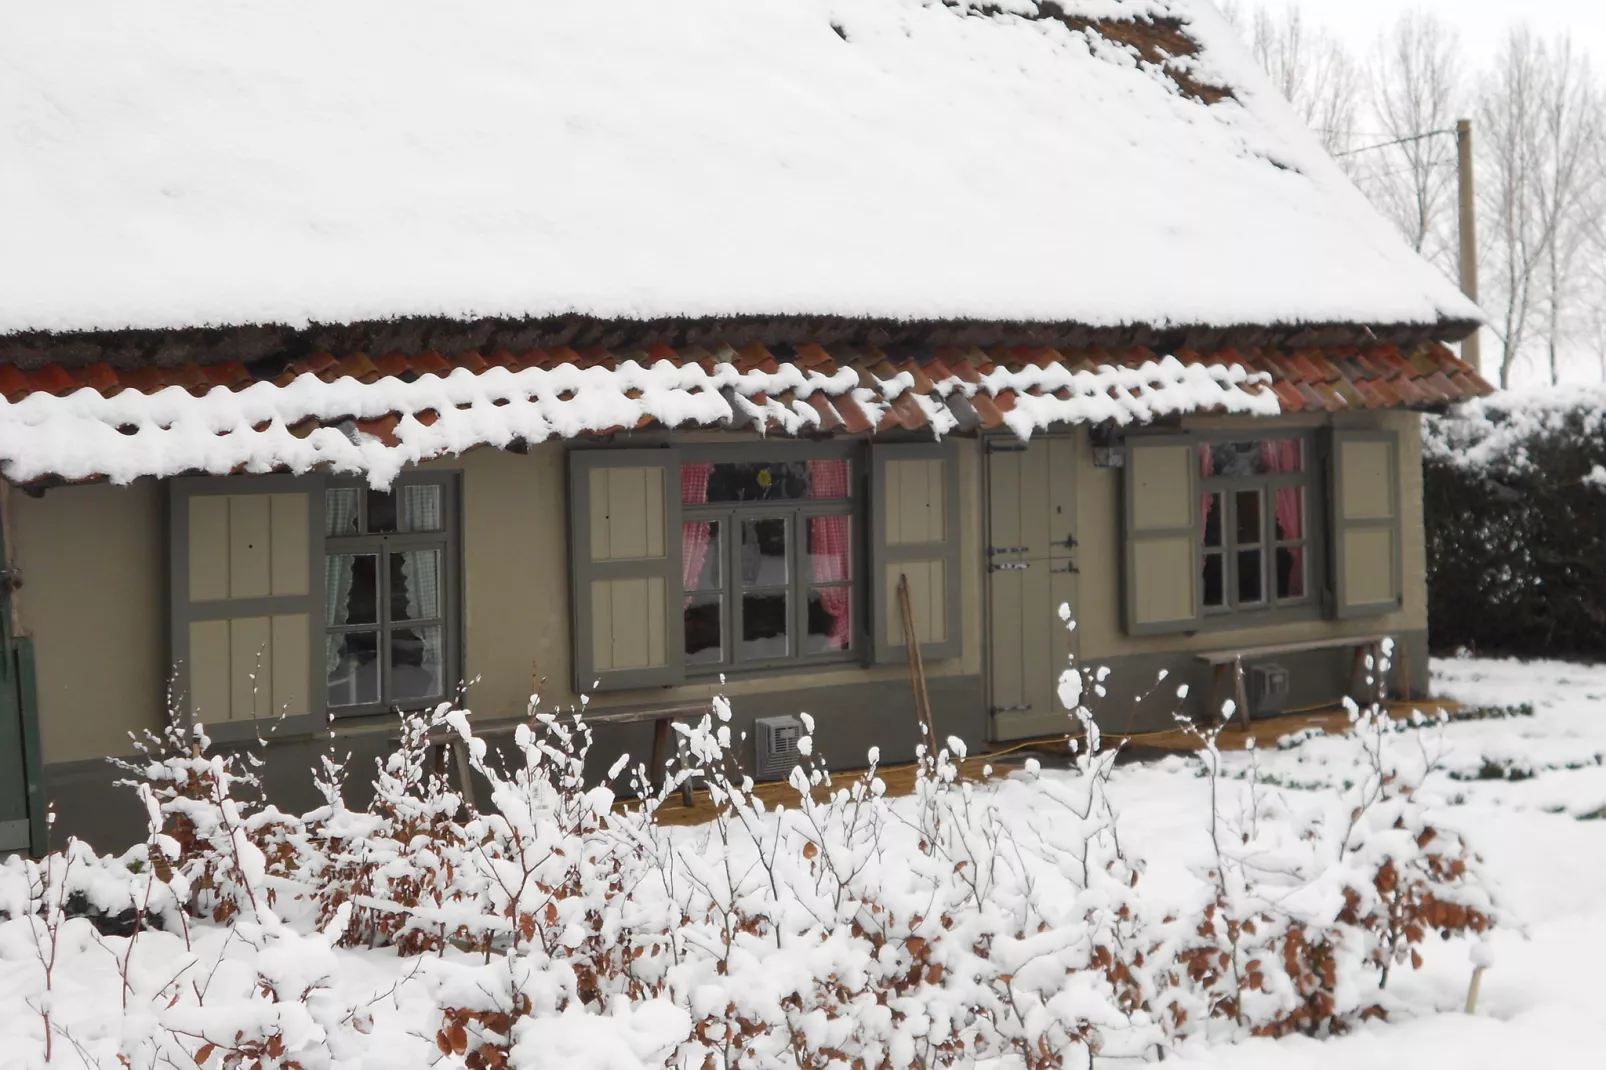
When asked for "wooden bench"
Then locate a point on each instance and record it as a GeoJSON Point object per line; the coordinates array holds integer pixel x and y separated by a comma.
{"type": "Point", "coordinates": [1229, 667]}
{"type": "Point", "coordinates": [443, 738]}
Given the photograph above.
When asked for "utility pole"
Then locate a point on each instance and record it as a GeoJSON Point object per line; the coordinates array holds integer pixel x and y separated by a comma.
{"type": "Point", "coordinates": [1469, 237]}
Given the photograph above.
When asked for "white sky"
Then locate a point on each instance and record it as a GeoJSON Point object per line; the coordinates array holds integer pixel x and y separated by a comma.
{"type": "Point", "coordinates": [1482, 23]}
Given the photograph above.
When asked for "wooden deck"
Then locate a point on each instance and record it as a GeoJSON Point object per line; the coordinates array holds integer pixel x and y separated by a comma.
{"type": "Point", "coordinates": [900, 779]}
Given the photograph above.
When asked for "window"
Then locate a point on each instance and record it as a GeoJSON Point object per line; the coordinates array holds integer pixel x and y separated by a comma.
{"type": "Point", "coordinates": [1218, 531]}
{"type": "Point", "coordinates": [1254, 534]}
{"type": "Point", "coordinates": [389, 589]}
{"type": "Point", "coordinates": [689, 561]}
{"type": "Point", "coordinates": [767, 555]}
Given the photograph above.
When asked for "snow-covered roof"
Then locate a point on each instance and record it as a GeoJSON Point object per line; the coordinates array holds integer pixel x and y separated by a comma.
{"type": "Point", "coordinates": [175, 163]}
{"type": "Point", "coordinates": [375, 415]}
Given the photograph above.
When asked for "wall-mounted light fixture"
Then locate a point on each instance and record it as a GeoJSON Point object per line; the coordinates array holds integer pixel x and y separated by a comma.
{"type": "Point", "coordinates": [1108, 450]}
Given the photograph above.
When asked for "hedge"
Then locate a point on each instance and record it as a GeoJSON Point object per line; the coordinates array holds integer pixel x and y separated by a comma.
{"type": "Point", "coordinates": [1515, 500]}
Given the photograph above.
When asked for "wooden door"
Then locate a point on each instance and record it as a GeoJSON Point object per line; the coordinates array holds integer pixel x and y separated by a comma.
{"type": "Point", "coordinates": [1031, 572]}
{"type": "Point", "coordinates": [21, 805]}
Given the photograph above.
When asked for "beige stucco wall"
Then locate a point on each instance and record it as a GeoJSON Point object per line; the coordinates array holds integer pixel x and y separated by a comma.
{"type": "Point", "coordinates": [94, 565]}
{"type": "Point", "coordinates": [95, 601]}
{"type": "Point", "coordinates": [516, 588]}
{"type": "Point", "coordinates": [94, 558]}
{"type": "Point", "coordinates": [1099, 532]}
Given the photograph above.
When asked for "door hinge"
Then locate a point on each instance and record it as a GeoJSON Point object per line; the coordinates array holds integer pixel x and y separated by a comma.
{"type": "Point", "coordinates": [994, 551]}
{"type": "Point", "coordinates": [1022, 708]}
{"type": "Point", "coordinates": [1010, 566]}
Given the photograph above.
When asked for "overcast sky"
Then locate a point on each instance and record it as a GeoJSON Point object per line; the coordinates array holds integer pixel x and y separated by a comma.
{"type": "Point", "coordinates": [1482, 23]}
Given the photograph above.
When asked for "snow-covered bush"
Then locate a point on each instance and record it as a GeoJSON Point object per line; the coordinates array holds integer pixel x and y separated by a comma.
{"type": "Point", "coordinates": [211, 840]}
{"type": "Point", "coordinates": [1308, 901]}
{"type": "Point", "coordinates": [1008, 920]}
{"type": "Point", "coordinates": [1515, 500]}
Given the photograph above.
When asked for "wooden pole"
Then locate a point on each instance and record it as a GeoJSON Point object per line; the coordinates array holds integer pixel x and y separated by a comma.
{"type": "Point", "coordinates": [1470, 350]}
{"type": "Point", "coordinates": [917, 669]}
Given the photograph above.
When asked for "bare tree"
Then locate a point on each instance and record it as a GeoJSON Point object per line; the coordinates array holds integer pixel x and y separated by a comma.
{"type": "Point", "coordinates": [1416, 85]}
{"type": "Point", "coordinates": [1568, 191]}
{"type": "Point", "coordinates": [1310, 66]}
{"type": "Point", "coordinates": [1508, 114]}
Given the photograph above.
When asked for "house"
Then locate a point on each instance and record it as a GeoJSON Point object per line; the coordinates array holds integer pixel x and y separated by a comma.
{"type": "Point", "coordinates": [359, 357]}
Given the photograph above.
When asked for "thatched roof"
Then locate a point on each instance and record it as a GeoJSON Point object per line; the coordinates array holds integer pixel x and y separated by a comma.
{"type": "Point", "coordinates": [213, 181]}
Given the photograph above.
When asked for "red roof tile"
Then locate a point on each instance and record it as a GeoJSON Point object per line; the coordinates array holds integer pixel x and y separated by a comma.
{"type": "Point", "coordinates": [953, 378]}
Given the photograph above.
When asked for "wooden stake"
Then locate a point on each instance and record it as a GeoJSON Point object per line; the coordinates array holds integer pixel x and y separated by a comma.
{"type": "Point", "coordinates": [1472, 990]}
{"type": "Point", "coordinates": [917, 667]}
{"type": "Point", "coordinates": [1470, 351]}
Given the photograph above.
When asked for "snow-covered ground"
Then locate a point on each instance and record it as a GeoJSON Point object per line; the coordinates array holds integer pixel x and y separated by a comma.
{"type": "Point", "coordinates": [1528, 793]}
{"type": "Point", "coordinates": [1543, 1002]}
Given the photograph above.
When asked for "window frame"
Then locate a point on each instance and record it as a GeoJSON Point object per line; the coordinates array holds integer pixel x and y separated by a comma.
{"type": "Point", "coordinates": [796, 512]}
{"type": "Point", "coordinates": [1228, 488]}
{"type": "Point", "coordinates": [1270, 609]}
{"type": "Point", "coordinates": [450, 618]}
{"type": "Point", "coordinates": [1313, 605]}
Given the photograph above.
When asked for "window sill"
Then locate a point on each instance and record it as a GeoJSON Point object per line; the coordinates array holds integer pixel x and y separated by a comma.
{"type": "Point", "coordinates": [1243, 619]}
{"type": "Point", "coordinates": [711, 673]}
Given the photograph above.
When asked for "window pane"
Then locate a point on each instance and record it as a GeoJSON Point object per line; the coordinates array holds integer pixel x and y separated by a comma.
{"type": "Point", "coordinates": [351, 589]}
{"type": "Point", "coordinates": [705, 630]}
{"type": "Point", "coordinates": [352, 668]}
{"type": "Point", "coordinates": [1251, 587]}
{"type": "Point", "coordinates": [1254, 457]}
{"type": "Point", "coordinates": [1210, 518]}
{"type": "Point", "coordinates": [1279, 456]}
{"type": "Point", "coordinates": [417, 665]}
{"type": "Point", "coordinates": [764, 626]}
{"type": "Point", "coordinates": [700, 555]}
{"type": "Point", "coordinates": [1290, 572]}
{"type": "Point", "coordinates": [759, 481]}
{"type": "Point", "coordinates": [830, 620]}
{"type": "Point", "coordinates": [1289, 506]}
{"type": "Point", "coordinates": [415, 585]}
{"type": "Point", "coordinates": [830, 548]}
{"type": "Point", "coordinates": [1247, 527]}
{"type": "Point", "coordinates": [1234, 459]}
{"type": "Point", "coordinates": [381, 511]}
{"type": "Point", "coordinates": [340, 509]}
{"type": "Point", "coordinates": [764, 552]}
{"type": "Point", "coordinates": [1215, 587]}
{"type": "Point", "coordinates": [421, 508]}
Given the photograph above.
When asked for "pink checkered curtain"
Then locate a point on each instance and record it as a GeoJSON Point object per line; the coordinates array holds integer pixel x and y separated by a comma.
{"type": "Point", "coordinates": [694, 534]}
{"type": "Point", "coordinates": [1207, 468]}
{"type": "Point", "coordinates": [1281, 455]}
{"type": "Point", "coordinates": [829, 550]}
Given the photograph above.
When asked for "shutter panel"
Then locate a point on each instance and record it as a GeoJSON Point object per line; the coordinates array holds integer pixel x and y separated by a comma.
{"type": "Point", "coordinates": [1365, 481]}
{"type": "Point", "coordinates": [914, 515]}
{"type": "Point", "coordinates": [624, 553]}
{"type": "Point", "coordinates": [246, 601]}
{"type": "Point", "coordinates": [1160, 564]}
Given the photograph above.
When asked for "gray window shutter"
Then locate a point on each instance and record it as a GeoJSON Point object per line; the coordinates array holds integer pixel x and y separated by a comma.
{"type": "Point", "coordinates": [914, 518]}
{"type": "Point", "coordinates": [624, 552]}
{"type": "Point", "coordinates": [247, 599]}
{"type": "Point", "coordinates": [1160, 564]}
{"type": "Point", "coordinates": [1365, 481]}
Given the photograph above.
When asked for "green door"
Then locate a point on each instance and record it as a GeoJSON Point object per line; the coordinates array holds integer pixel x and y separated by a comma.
{"type": "Point", "coordinates": [21, 809]}
{"type": "Point", "coordinates": [1031, 572]}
